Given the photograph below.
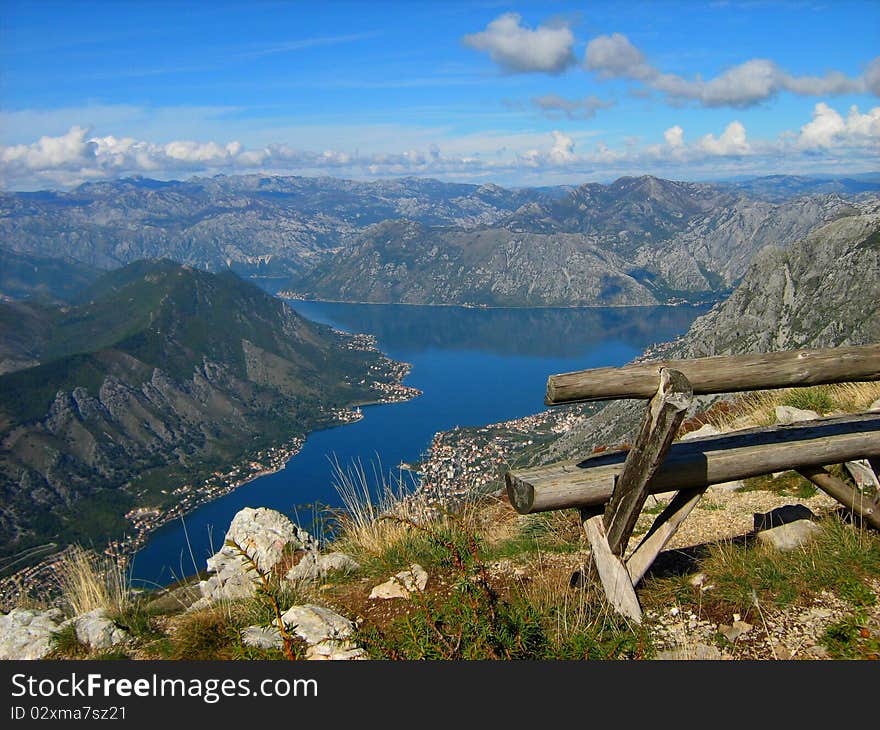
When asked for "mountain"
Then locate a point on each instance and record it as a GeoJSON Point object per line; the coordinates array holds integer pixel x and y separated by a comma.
{"type": "Point", "coordinates": [258, 225]}
{"type": "Point", "coordinates": [784, 187]}
{"type": "Point", "coordinates": [46, 278]}
{"type": "Point", "coordinates": [821, 291]}
{"type": "Point", "coordinates": [403, 261]}
{"type": "Point", "coordinates": [637, 241]}
{"type": "Point", "coordinates": [159, 375]}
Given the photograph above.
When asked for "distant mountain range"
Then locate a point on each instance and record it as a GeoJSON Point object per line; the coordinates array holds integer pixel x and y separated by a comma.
{"type": "Point", "coordinates": [157, 371]}
{"type": "Point", "coordinates": [256, 225]}
{"type": "Point", "coordinates": [635, 241]}
{"type": "Point", "coordinates": [785, 187]}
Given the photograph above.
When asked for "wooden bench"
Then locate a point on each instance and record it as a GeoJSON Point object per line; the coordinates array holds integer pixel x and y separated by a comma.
{"type": "Point", "coordinates": [610, 488]}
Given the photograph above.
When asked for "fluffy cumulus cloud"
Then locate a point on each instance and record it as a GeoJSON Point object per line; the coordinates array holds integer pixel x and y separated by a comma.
{"type": "Point", "coordinates": [743, 85]}
{"type": "Point", "coordinates": [519, 49]}
{"type": "Point", "coordinates": [829, 129]}
{"type": "Point", "coordinates": [553, 105]}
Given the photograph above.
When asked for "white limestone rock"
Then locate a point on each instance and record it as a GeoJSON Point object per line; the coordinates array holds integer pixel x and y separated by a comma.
{"type": "Point", "coordinates": [264, 534]}
{"type": "Point", "coordinates": [26, 633]}
{"type": "Point", "coordinates": [406, 582]}
{"type": "Point", "coordinates": [97, 631]}
{"type": "Point", "coordinates": [327, 634]}
{"type": "Point", "coordinates": [314, 566]}
{"type": "Point", "coordinates": [786, 415]}
{"type": "Point", "coordinates": [789, 536]}
{"type": "Point", "coordinates": [707, 429]}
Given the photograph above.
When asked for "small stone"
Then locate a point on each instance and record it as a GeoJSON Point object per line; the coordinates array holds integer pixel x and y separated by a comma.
{"type": "Point", "coordinates": [862, 473]}
{"type": "Point", "coordinates": [782, 652]}
{"type": "Point", "coordinates": [313, 566]}
{"type": "Point", "coordinates": [697, 651]}
{"type": "Point", "coordinates": [789, 536]}
{"type": "Point", "coordinates": [402, 585]}
{"type": "Point", "coordinates": [707, 429]}
{"type": "Point", "coordinates": [732, 633]}
{"type": "Point", "coordinates": [818, 652]}
{"type": "Point", "coordinates": [327, 633]}
{"type": "Point", "coordinates": [698, 579]}
{"type": "Point", "coordinates": [786, 415]}
{"type": "Point", "coordinates": [780, 516]}
{"type": "Point", "coordinates": [674, 611]}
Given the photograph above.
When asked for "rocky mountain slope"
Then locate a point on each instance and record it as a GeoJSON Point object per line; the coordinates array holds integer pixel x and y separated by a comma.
{"type": "Point", "coordinates": [159, 367]}
{"type": "Point", "coordinates": [258, 225]}
{"type": "Point", "coordinates": [637, 241]}
{"type": "Point", "coordinates": [822, 291]}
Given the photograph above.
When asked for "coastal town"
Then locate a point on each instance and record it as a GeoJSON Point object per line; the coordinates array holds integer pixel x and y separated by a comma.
{"type": "Point", "coordinates": [469, 460]}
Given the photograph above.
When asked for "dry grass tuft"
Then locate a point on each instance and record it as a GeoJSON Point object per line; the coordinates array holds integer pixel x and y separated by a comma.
{"type": "Point", "coordinates": [89, 581]}
{"type": "Point", "coordinates": [364, 527]}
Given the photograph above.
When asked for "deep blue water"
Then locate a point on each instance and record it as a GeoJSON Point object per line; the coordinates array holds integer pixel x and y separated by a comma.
{"type": "Point", "coordinates": [474, 366]}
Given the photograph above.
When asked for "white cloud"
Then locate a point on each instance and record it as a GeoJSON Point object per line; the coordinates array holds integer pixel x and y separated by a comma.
{"type": "Point", "coordinates": [731, 142]}
{"type": "Point", "coordinates": [518, 49]}
{"type": "Point", "coordinates": [829, 129]}
{"type": "Point", "coordinates": [743, 85]}
{"type": "Point", "coordinates": [586, 108]}
{"type": "Point", "coordinates": [613, 56]}
{"type": "Point", "coordinates": [674, 136]}
{"type": "Point", "coordinates": [830, 137]}
{"type": "Point", "coordinates": [69, 151]}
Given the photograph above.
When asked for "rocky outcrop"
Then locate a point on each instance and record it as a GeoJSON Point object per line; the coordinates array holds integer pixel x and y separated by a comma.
{"type": "Point", "coordinates": [266, 536]}
{"type": "Point", "coordinates": [327, 634]}
{"type": "Point", "coordinates": [27, 633]}
{"type": "Point", "coordinates": [315, 566]}
{"type": "Point", "coordinates": [97, 630]}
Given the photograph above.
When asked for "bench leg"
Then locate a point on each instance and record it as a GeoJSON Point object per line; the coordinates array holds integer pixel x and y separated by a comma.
{"type": "Point", "coordinates": [664, 527]}
{"type": "Point", "coordinates": [664, 414]}
{"type": "Point", "coordinates": [612, 571]}
{"type": "Point", "coordinates": [852, 499]}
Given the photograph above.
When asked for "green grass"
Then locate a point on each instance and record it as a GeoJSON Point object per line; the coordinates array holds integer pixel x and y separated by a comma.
{"type": "Point", "coordinates": [65, 644]}
{"type": "Point", "coordinates": [839, 559]}
{"type": "Point", "coordinates": [849, 638]}
{"type": "Point", "coordinates": [817, 398]}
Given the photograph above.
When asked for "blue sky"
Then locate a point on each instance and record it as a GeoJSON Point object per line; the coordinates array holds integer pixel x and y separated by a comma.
{"type": "Point", "coordinates": [512, 93]}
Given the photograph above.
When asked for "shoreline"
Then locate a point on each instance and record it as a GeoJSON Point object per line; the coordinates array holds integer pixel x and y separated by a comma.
{"type": "Point", "coordinates": [288, 296]}
{"type": "Point", "coordinates": [38, 579]}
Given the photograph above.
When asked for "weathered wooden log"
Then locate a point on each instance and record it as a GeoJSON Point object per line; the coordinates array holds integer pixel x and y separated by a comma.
{"type": "Point", "coordinates": [612, 571]}
{"type": "Point", "coordinates": [723, 374]}
{"type": "Point", "coordinates": [664, 527]}
{"type": "Point", "coordinates": [700, 462]}
{"type": "Point", "coordinates": [850, 498]}
{"type": "Point", "coordinates": [664, 415]}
